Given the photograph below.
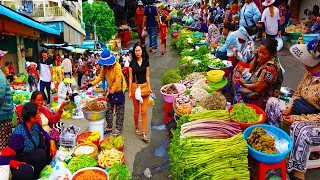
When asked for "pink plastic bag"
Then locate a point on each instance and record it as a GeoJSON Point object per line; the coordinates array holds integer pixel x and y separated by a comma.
{"type": "Point", "coordinates": [144, 33]}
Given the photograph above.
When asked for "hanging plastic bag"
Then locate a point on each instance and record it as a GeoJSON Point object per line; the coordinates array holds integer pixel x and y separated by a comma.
{"type": "Point", "coordinates": [144, 33]}
{"type": "Point", "coordinates": [138, 95]}
{"type": "Point", "coordinates": [150, 101]}
{"type": "Point", "coordinates": [280, 43]}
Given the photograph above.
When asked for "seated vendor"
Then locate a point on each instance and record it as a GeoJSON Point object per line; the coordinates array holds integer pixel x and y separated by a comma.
{"type": "Point", "coordinates": [65, 92]}
{"type": "Point", "coordinates": [264, 78]}
{"type": "Point", "coordinates": [213, 35]}
{"type": "Point", "coordinates": [315, 26]}
{"type": "Point", "coordinates": [46, 118]}
{"type": "Point", "coordinates": [245, 54]}
{"type": "Point", "coordinates": [302, 112]}
{"type": "Point", "coordinates": [26, 141]}
{"type": "Point", "coordinates": [195, 26]}
{"type": "Point", "coordinates": [203, 26]}
{"type": "Point", "coordinates": [228, 27]}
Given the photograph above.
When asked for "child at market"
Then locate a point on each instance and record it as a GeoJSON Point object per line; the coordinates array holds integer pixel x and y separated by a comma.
{"type": "Point", "coordinates": [163, 35]}
{"type": "Point", "coordinates": [85, 78]}
{"type": "Point", "coordinates": [33, 77]}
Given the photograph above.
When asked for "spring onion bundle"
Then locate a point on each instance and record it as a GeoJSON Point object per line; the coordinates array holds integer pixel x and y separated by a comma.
{"type": "Point", "coordinates": [210, 129]}
{"type": "Point", "coordinates": [201, 158]}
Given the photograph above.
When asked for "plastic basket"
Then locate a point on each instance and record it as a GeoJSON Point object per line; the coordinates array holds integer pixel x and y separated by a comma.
{"type": "Point", "coordinates": [83, 136]}
{"type": "Point", "coordinates": [309, 37]}
{"type": "Point", "coordinates": [107, 140]}
{"type": "Point", "coordinates": [169, 98]}
{"type": "Point", "coordinates": [68, 139]}
{"type": "Point", "coordinates": [268, 158]}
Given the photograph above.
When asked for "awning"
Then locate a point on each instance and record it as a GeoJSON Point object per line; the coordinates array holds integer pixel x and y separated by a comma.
{"type": "Point", "coordinates": [16, 16]}
{"type": "Point", "coordinates": [89, 44]}
{"type": "Point", "coordinates": [55, 46]}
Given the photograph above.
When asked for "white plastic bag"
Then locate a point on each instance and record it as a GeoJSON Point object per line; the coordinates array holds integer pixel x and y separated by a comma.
{"type": "Point", "coordinates": [138, 95]}
{"type": "Point", "coordinates": [280, 43]}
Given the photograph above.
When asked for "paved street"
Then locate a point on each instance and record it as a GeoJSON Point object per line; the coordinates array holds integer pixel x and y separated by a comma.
{"type": "Point", "coordinates": [140, 155]}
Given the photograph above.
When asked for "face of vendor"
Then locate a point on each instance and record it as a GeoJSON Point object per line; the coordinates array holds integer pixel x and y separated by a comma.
{"type": "Point", "coordinates": [138, 52]}
{"type": "Point", "coordinates": [34, 119]}
{"type": "Point", "coordinates": [39, 100]}
{"type": "Point", "coordinates": [225, 31]}
{"type": "Point", "coordinates": [44, 55]}
{"type": "Point", "coordinates": [264, 55]}
{"type": "Point", "coordinates": [241, 41]}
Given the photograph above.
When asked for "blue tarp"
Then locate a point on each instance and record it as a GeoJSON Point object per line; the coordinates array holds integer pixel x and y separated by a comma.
{"type": "Point", "coordinates": [16, 16]}
{"type": "Point", "coordinates": [52, 46]}
{"type": "Point", "coordinates": [89, 44]}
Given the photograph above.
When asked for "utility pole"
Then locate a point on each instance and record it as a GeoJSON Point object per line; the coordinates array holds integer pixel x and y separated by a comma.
{"type": "Point", "coordinates": [95, 37]}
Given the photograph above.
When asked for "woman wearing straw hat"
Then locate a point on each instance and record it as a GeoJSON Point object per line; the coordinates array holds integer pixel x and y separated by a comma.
{"type": "Point", "coordinates": [6, 107]}
{"type": "Point", "coordinates": [270, 18]}
{"type": "Point", "coordinates": [111, 70]}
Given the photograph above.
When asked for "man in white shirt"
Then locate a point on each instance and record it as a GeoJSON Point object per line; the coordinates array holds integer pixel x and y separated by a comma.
{"type": "Point", "coordinates": [67, 65]}
{"type": "Point", "coordinates": [45, 67]}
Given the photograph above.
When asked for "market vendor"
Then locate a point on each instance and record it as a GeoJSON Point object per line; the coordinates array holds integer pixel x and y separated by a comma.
{"type": "Point", "coordinates": [264, 78]}
{"type": "Point", "coordinates": [315, 26]}
{"type": "Point", "coordinates": [203, 25]}
{"type": "Point", "coordinates": [46, 118]}
{"type": "Point", "coordinates": [112, 72]}
{"type": "Point", "coordinates": [26, 140]}
{"type": "Point", "coordinates": [247, 47]}
{"type": "Point", "coordinates": [213, 32]}
{"type": "Point", "coordinates": [231, 40]}
{"type": "Point", "coordinates": [195, 26]}
{"type": "Point", "coordinates": [65, 92]}
{"type": "Point", "coordinates": [302, 112]}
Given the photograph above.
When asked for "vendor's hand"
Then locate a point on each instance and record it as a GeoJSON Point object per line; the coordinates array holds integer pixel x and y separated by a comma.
{"type": "Point", "coordinates": [252, 20]}
{"type": "Point", "coordinates": [89, 85]}
{"type": "Point", "coordinates": [53, 149]}
{"type": "Point", "coordinates": [67, 97]}
{"type": "Point", "coordinates": [129, 95]}
{"type": "Point", "coordinates": [111, 92]}
{"type": "Point", "coordinates": [232, 46]}
{"type": "Point", "coordinates": [288, 119]}
{"type": "Point", "coordinates": [242, 83]}
{"type": "Point", "coordinates": [15, 164]}
{"type": "Point", "coordinates": [240, 68]}
{"type": "Point", "coordinates": [214, 45]}
{"type": "Point", "coordinates": [8, 152]}
{"type": "Point", "coordinates": [286, 112]}
{"type": "Point", "coordinates": [105, 93]}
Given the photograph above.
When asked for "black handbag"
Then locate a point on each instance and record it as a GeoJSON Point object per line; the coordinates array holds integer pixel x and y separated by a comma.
{"type": "Point", "coordinates": [118, 97]}
{"type": "Point", "coordinates": [253, 29]}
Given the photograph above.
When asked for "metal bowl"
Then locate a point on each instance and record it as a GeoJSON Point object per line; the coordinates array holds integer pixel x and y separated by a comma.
{"type": "Point", "coordinates": [94, 115]}
{"type": "Point", "coordinates": [286, 92]}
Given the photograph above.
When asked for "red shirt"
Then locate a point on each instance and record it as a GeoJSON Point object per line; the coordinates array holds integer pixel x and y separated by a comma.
{"type": "Point", "coordinates": [33, 71]}
{"type": "Point", "coordinates": [235, 9]}
{"type": "Point", "coordinates": [139, 16]}
{"type": "Point", "coordinates": [163, 31]}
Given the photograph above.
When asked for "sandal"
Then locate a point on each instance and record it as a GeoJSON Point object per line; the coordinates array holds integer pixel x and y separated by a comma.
{"type": "Point", "coordinates": [145, 138]}
{"type": "Point", "coordinates": [107, 131]}
{"type": "Point", "coordinates": [153, 51]}
{"type": "Point", "coordinates": [150, 50]}
{"type": "Point", "coordinates": [138, 132]}
{"type": "Point", "coordinates": [116, 133]}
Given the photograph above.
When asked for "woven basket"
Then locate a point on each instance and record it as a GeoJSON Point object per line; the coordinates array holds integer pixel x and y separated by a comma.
{"type": "Point", "coordinates": [94, 154]}
{"type": "Point", "coordinates": [175, 109]}
{"type": "Point", "coordinates": [83, 136]}
{"type": "Point", "coordinates": [107, 140]}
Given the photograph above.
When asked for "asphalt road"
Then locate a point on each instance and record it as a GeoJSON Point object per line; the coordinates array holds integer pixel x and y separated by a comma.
{"type": "Point", "coordinates": [140, 155]}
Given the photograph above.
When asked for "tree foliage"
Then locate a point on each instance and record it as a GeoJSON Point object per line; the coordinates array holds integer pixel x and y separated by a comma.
{"type": "Point", "coordinates": [100, 14]}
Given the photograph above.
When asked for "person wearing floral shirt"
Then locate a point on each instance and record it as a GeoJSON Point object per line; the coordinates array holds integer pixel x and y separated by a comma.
{"type": "Point", "coordinates": [213, 32]}
{"type": "Point", "coordinates": [247, 48]}
{"type": "Point", "coordinates": [315, 27]}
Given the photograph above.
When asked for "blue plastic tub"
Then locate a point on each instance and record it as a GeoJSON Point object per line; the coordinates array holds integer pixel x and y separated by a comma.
{"type": "Point", "coordinates": [197, 34]}
{"type": "Point", "coordinates": [309, 37]}
{"type": "Point", "coordinates": [268, 158]}
{"type": "Point", "coordinates": [200, 44]}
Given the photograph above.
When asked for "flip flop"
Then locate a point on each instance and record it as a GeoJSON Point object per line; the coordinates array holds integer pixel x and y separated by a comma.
{"type": "Point", "coordinates": [107, 131]}
{"type": "Point", "coordinates": [145, 138]}
{"type": "Point", "coordinates": [138, 132]}
{"type": "Point", "coordinates": [116, 133]}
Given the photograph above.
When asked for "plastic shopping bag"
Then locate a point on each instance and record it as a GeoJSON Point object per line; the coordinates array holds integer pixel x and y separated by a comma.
{"type": "Point", "coordinates": [144, 33]}
{"type": "Point", "coordinates": [138, 95]}
{"type": "Point", "coordinates": [150, 101]}
{"type": "Point", "coordinates": [280, 43]}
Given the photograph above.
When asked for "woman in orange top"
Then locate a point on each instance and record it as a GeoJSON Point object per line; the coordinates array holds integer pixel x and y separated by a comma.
{"type": "Point", "coordinates": [139, 19]}
{"type": "Point", "coordinates": [163, 35]}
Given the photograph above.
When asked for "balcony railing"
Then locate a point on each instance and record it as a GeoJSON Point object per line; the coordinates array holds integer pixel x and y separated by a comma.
{"type": "Point", "coordinates": [54, 11]}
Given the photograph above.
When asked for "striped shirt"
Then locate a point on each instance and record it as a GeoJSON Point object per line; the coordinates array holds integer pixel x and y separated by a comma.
{"type": "Point", "coordinates": [6, 102]}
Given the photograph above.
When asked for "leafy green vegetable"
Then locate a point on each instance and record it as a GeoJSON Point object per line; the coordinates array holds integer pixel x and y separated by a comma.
{"type": "Point", "coordinates": [203, 50]}
{"type": "Point", "coordinates": [244, 114]}
{"type": "Point", "coordinates": [203, 65]}
{"type": "Point", "coordinates": [80, 162]}
{"type": "Point", "coordinates": [217, 63]}
{"type": "Point", "coordinates": [188, 68]}
{"type": "Point", "coordinates": [196, 39]}
{"type": "Point", "coordinates": [119, 172]}
{"type": "Point", "coordinates": [170, 76]}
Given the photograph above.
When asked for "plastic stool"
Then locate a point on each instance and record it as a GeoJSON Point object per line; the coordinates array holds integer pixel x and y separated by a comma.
{"type": "Point", "coordinates": [312, 164]}
{"type": "Point", "coordinates": [264, 168]}
{"type": "Point", "coordinates": [168, 112]}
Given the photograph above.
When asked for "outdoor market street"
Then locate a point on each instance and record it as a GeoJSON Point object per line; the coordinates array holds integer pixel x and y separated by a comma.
{"type": "Point", "coordinates": [140, 155]}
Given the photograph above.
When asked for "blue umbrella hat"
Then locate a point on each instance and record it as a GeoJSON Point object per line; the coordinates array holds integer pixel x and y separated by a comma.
{"type": "Point", "coordinates": [106, 58]}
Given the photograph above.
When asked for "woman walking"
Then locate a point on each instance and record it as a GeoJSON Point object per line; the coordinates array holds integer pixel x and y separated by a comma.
{"type": "Point", "coordinates": [151, 23]}
{"type": "Point", "coordinates": [111, 70]}
{"type": "Point", "coordinates": [6, 107]}
{"type": "Point", "coordinates": [139, 77]}
{"type": "Point", "coordinates": [270, 18]}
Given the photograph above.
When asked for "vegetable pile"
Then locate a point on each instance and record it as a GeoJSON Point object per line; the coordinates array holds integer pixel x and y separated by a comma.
{"type": "Point", "coordinates": [119, 172]}
{"type": "Point", "coordinates": [107, 158]}
{"type": "Point", "coordinates": [170, 76]}
{"type": "Point", "coordinates": [209, 128]}
{"type": "Point", "coordinates": [80, 162]}
{"type": "Point", "coordinates": [184, 103]}
{"type": "Point", "coordinates": [214, 101]}
{"type": "Point", "coordinates": [187, 82]}
{"type": "Point", "coordinates": [260, 141]}
{"type": "Point", "coordinates": [170, 89]}
{"type": "Point", "coordinates": [90, 174]}
{"type": "Point", "coordinates": [217, 63]}
{"type": "Point", "coordinates": [95, 106]}
{"type": "Point", "coordinates": [113, 142]}
{"type": "Point", "coordinates": [244, 114]}
{"type": "Point", "coordinates": [198, 93]}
